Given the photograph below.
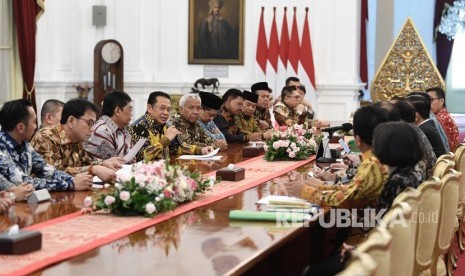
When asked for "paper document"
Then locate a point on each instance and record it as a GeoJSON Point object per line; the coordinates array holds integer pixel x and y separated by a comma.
{"type": "Point", "coordinates": [284, 201]}
{"type": "Point", "coordinates": [209, 156]}
{"type": "Point", "coordinates": [134, 150]}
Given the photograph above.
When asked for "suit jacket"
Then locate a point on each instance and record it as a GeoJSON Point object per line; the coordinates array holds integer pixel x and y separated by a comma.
{"type": "Point", "coordinates": [433, 136]}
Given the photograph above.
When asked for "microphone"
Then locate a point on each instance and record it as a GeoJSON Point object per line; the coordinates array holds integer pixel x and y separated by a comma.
{"type": "Point", "coordinates": [177, 138]}
{"type": "Point", "coordinates": [345, 127]}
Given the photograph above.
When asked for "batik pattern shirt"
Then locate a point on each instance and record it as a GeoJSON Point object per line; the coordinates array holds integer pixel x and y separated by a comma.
{"type": "Point", "coordinates": [264, 115]}
{"type": "Point", "coordinates": [59, 151]}
{"type": "Point", "coordinates": [450, 128]}
{"type": "Point", "coordinates": [227, 124]}
{"type": "Point", "coordinates": [398, 181]}
{"type": "Point", "coordinates": [247, 124]}
{"type": "Point", "coordinates": [157, 144]}
{"type": "Point", "coordinates": [193, 138]}
{"type": "Point", "coordinates": [211, 129]}
{"type": "Point", "coordinates": [107, 140]}
{"type": "Point", "coordinates": [363, 190]}
{"type": "Point", "coordinates": [286, 116]}
{"type": "Point", "coordinates": [20, 163]}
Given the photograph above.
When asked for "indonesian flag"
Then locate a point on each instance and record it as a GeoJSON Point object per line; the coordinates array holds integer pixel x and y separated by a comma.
{"type": "Point", "coordinates": [273, 55]}
{"type": "Point", "coordinates": [262, 49]}
{"type": "Point", "coordinates": [306, 68]}
{"type": "Point", "coordinates": [294, 49]}
{"type": "Point", "coordinates": [283, 53]}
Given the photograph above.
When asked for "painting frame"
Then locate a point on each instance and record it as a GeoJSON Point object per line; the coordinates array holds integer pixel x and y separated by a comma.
{"type": "Point", "coordinates": [225, 44]}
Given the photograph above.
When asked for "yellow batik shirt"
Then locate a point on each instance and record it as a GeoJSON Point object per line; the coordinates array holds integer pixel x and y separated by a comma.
{"type": "Point", "coordinates": [363, 190]}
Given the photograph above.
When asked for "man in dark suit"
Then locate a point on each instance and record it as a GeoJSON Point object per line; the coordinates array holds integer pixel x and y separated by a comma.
{"type": "Point", "coordinates": [422, 104]}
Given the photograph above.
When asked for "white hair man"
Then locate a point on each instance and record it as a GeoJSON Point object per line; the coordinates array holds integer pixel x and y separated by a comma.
{"type": "Point", "coordinates": [192, 135]}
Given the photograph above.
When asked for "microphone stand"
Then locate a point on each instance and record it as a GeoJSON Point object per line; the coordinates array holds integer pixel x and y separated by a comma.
{"type": "Point", "coordinates": [324, 159]}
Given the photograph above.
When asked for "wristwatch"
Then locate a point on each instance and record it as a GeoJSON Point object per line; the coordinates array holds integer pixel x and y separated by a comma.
{"type": "Point", "coordinates": [12, 196]}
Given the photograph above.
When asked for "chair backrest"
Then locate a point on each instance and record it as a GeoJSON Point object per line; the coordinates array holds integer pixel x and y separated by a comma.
{"type": "Point", "coordinates": [361, 264]}
{"type": "Point", "coordinates": [446, 156]}
{"type": "Point", "coordinates": [447, 212]}
{"type": "Point", "coordinates": [442, 167]}
{"type": "Point", "coordinates": [398, 221]}
{"type": "Point", "coordinates": [427, 228]}
{"type": "Point", "coordinates": [460, 166]}
{"type": "Point", "coordinates": [377, 245]}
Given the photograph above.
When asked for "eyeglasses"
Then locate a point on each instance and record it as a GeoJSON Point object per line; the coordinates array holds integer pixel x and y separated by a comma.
{"type": "Point", "coordinates": [296, 97]}
{"type": "Point", "coordinates": [163, 108]}
{"type": "Point", "coordinates": [432, 99]}
{"type": "Point", "coordinates": [89, 122]}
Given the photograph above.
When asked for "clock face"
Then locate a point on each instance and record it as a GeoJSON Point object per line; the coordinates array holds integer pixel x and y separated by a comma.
{"type": "Point", "coordinates": [111, 52]}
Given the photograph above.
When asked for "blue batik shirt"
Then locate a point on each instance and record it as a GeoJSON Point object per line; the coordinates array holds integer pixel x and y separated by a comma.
{"type": "Point", "coordinates": [212, 130]}
{"type": "Point", "coordinates": [20, 163]}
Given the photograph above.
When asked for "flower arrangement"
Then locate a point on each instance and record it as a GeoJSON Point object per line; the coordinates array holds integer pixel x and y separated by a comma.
{"type": "Point", "coordinates": [150, 189]}
{"type": "Point", "coordinates": [294, 143]}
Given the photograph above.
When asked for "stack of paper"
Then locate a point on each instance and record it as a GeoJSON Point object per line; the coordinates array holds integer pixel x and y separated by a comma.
{"type": "Point", "coordinates": [211, 156]}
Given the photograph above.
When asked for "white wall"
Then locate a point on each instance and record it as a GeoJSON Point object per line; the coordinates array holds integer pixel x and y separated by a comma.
{"type": "Point", "coordinates": [154, 35]}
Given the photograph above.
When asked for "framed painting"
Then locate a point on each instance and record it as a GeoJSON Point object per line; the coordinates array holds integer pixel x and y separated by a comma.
{"type": "Point", "coordinates": [216, 32]}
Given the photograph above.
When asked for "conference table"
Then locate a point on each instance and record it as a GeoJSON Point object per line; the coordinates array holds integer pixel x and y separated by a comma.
{"type": "Point", "coordinates": [199, 242]}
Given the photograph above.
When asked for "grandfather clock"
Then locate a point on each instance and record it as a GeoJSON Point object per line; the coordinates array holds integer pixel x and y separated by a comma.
{"type": "Point", "coordinates": [108, 69]}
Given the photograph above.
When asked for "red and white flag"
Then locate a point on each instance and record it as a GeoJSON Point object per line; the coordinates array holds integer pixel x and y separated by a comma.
{"type": "Point", "coordinates": [273, 54]}
{"type": "Point", "coordinates": [262, 50]}
{"type": "Point", "coordinates": [294, 49]}
{"type": "Point", "coordinates": [306, 72]}
{"type": "Point", "coordinates": [282, 60]}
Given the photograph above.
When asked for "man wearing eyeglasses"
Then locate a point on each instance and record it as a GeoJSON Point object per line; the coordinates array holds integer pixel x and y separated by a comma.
{"type": "Point", "coordinates": [152, 126]}
{"type": "Point", "coordinates": [22, 169]}
{"type": "Point", "coordinates": [438, 107]}
{"type": "Point", "coordinates": [62, 145]}
{"type": "Point", "coordinates": [193, 139]}
{"type": "Point", "coordinates": [110, 136]}
{"type": "Point", "coordinates": [246, 122]}
{"type": "Point", "coordinates": [286, 111]}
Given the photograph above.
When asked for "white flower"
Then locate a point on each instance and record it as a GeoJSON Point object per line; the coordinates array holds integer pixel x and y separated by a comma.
{"type": "Point", "coordinates": [118, 186]}
{"type": "Point", "coordinates": [150, 208]}
{"type": "Point", "coordinates": [88, 201]}
{"type": "Point", "coordinates": [157, 199]}
{"type": "Point", "coordinates": [212, 182]}
{"type": "Point", "coordinates": [124, 195]}
{"type": "Point", "coordinates": [106, 185]}
{"type": "Point", "coordinates": [109, 200]}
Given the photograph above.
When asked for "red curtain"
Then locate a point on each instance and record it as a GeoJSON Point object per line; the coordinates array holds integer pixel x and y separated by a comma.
{"type": "Point", "coordinates": [443, 44]}
{"type": "Point", "coordinates": [26, 13]}
{"type": "Point", "coordinates": [363, 43]}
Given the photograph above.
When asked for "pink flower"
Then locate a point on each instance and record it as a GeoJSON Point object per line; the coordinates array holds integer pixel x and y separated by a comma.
{"type": "Point", "coordinates": [167, 194]}
{"type": "Point", "coordinates": [109, 200]}
{"type": "Point", "coordinates": [124, 195]}
{"type": "Point", "coordinates": [88, 201]}
{"type": "Point", "coordinates": [150, 208]}
{"type": "Point", "coordinates": [291, 154]}
{"type": "Point", "coordinates": [192, 183]}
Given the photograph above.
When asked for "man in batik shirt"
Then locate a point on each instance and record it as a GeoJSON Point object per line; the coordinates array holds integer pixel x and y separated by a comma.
{"type": "Point", "coordinates": [210, 106]}
{"type": "Point", "coordinates": [193, 138]}
{"type": "Point", "coordinates": [62, 145]}
{"type": "Point", "coordinates": [438, 107]}
{"type": "Point", "coordinates": [225, 120]}
{"type": "Point", "coordinates": [289, 111]}
{"type": "Point", "coordinates": [22, 169]}
{"type": "Point", "coordinates": [110, 136]}
{"type": "Point", "coordinates": [245, 121]}
{"type": "Point", "coordinates": [366, 186]}
{"type": "Point", "coordinates": [262, 113]}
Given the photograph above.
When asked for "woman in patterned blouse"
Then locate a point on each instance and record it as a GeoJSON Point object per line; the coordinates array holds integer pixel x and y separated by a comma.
{"type": "Point", "coordinates": [397, 145]}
